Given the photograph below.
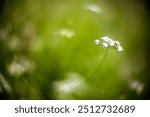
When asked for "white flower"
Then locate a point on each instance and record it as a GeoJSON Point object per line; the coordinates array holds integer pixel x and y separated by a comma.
{"type": "Point", "coordinates": [66, 33]}
{"type": "Point", "coordinates": [16, 69]}
{"type": "Point", "coordinates": [106, 39]}
{"type": "Point", "coordinates": [117, 42]}
{"type": "Point", "coordinates": [108, 42]}
{"type": "Point", "coordinates": [105, 45]}
{"type": "Point", "coordinates": [92, 8]}
{"type": "Point", "coordinates": [20, 65]}
{"type": "Point", "coordinates": [96, 41]}
{"type": "Point", "coordinates": [111, 42]}
{"type": "Point", "coordinates": [119, 48]}
{"type": "Point", "coordinates": [136, 86]}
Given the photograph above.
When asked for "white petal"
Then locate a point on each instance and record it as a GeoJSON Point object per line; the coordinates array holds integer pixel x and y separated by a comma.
{"type": "Point", "coordinates": [96, 41]}
{"type": "Point", "coordinates": [119, 48]}
{"type": "Point", "coordinates": [106, 39]}
{"type": "Point", "coordinates": [105, 45]}
{"type": "Point", "coordinates": [111, 42]}
{"type": "Point", "coordinates": [117, 42]}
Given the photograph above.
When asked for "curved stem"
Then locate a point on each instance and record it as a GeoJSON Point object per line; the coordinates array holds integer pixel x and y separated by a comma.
{"type": "Point", "coordinates": [99, 66]}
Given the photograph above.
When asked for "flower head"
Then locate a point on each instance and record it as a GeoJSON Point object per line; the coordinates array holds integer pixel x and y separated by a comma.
{"type": "Point", "coordinates": [108, 42]}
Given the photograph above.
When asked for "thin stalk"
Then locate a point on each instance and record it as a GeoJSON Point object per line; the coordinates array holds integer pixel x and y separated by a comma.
{"type": "Point", "coordinates": [99, 66]}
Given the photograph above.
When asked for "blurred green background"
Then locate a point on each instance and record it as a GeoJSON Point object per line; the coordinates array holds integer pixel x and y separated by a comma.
{"type": "Point", "coordinates": [47, 50]}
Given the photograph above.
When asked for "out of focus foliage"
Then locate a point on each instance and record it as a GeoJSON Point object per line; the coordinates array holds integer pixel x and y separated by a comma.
{"type": "Point", "coordinates": [47, 50]}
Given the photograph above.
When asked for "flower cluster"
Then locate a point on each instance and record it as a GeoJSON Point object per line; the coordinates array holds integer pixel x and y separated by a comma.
{"type": "Point", "coordinates": [108, 42]}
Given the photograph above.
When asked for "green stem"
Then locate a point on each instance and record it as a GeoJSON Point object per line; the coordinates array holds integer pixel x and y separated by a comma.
{"type": "Point", "coordinates": [99, 66]}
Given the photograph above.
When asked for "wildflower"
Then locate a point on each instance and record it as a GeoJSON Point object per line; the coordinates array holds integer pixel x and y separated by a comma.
{"type": "Point", "coordinates": [96, 41]}
{"type": "Point", "coordinates": [19, 66]}
{"type": "Point", "coordinates": [117, 42]}
{"type": "Point", "coordinates": [119, 48]}
{"type": "Point", "coordinates": [105, 39]}
{"type": "Point", "coordinates": [16, 69]}
{"type": "Point", "coordinates": [108, 42]}
{"type": "Point", "coordinates": [73, 84]}
{"type": "Point", "coordinates": [92, 8]}
{"type": "Point", "coordinates": [105, 45]}
{"type": "Point", "coordinates": [111, 43]}
{"type": "Point", "coordinates": [136, 86]}
{"type": "Point", "coordinates": [66, 33]}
